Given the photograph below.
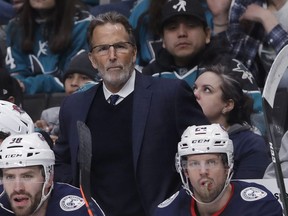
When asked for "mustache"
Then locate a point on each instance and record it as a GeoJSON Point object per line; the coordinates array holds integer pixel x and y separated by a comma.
{"type": "Point", "coordinates": [20, 193]}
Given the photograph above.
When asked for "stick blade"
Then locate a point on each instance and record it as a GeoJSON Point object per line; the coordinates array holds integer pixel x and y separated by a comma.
{"type": "Point", "coordinates": [84, 159]}
{"type": "Point", "coordinates": [278, 68]}
{"type": "Point", "coordinates": [85, 146]}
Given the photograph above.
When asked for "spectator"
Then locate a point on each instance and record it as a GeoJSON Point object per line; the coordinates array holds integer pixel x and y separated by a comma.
{"type": "Point", "coordinates": [185, 34]}
{"type": "Point", "coordinates": [205, 164]}
{"type": "Point", "coordinates": [215, 56]}
{"type": "Point", "coordinates": [145, 19]}
{"type": "Point", "coordinates": [186, 44]}
{"type": "Point", "coordinates": [28, 181]}
{"type": "Point", "coordinates": [8, 11]}
{"type": "Point", "coordinates": [10, 89]}
{"type": "Point", "coordinates": [41, 42]}
{"type": "Point", "coordinates": [257, 31]}
{"type": "Point", "coordinates": [149, 116]}
{"type": "Point", "coordinates": [78, 73]}
{"type": "Point", "coordinates": [220, 94]}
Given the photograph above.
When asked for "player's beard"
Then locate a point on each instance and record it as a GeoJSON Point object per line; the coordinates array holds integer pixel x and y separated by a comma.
{"type": "Point", "coordinates": [28, 210]}
{"type": "Point", "coordinates": [117, 79]}
{"type": "Point", "coordinates": [208, 193]}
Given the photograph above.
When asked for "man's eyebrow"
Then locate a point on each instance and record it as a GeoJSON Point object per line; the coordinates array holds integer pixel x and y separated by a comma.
{"type": "Point", "coordinates": [6, 172]}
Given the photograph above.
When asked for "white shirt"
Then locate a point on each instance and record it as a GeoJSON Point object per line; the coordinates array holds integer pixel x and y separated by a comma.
{"type": "Point", "coordinates": [124, 92]}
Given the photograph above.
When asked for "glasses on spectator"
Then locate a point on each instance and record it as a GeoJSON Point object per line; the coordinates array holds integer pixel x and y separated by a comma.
{"type": "Point", "coordinates": [120, 47]}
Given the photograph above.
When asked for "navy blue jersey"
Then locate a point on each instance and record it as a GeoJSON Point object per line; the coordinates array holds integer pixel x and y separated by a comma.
{"type": "Point", "coordinates": [248, 199]}
{"type": "Point", "coordinates": [64, 200]}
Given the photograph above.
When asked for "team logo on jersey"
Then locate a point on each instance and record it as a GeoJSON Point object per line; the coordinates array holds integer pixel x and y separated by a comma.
{"type": "Point", "coordinates": [252, 194]}
{"type": "Point", "coordinates": [71, 203]}
{"type": "Point", "coordinates": [168, 201]}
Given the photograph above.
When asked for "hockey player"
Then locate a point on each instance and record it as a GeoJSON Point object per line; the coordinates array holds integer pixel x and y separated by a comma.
{"type": "Point", "coordinates": [13, 120]}
{"type": "Point", "coordinates": [27, 164]}
{"type": "Point", "coordinates": [205, 164]}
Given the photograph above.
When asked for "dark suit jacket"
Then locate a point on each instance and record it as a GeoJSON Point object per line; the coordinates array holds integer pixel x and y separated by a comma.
{"type": "Point", "coordinates": [162, 110]}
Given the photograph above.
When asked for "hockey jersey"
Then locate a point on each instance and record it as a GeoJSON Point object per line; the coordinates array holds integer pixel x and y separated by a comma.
{"type": "Point", "coordinates": [64, 200]}
{"type": "Point", "coordinates": [248, 199]}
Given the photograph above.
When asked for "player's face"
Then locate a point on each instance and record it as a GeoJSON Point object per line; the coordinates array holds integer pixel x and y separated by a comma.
{"type": "Point", "coordinates": [42, 4]}
{"type": "Point", "coordinates": [207, 175]}
{"type": "Point", "coordinates": [185, 37]}
{"type": "Point", "coordinates": [74, 81]}
{"type": "Point", "coordinates": [23, 187]}
{"type": "Point", "coordinates": [115, 66]}
{"type": "Point", "coordinates": [208, 93]}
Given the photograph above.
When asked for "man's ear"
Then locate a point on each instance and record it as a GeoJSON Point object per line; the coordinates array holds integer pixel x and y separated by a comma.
{"type": "Point", "coordinates": [49, 184]}
{"type": "Point", "coordinates": [50, 181]}
{"type": "Point", "coordinates": [11, 99]}
{"type": "Point", "coordinates": [92, 60]}
{"type": "Point", "coordinates": [185, 173]}
{"type": "Point", "coordinates": [208, 34]}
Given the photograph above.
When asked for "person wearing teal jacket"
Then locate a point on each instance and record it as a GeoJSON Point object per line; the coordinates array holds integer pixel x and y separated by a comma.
{"type": "Point", "coordinates": [41, 42]}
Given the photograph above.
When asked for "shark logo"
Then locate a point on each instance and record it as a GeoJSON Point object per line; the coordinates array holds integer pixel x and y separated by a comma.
{"type": "Point", "coordinates": [181, 5]}
{"type": "Point", "coordinates": [42, 48]}
{"type": "Point", "coordinates": [241, 69]}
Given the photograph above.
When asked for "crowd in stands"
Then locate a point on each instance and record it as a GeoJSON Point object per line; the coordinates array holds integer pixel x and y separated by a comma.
{"type": "Point", "coordinates": [140, 74]}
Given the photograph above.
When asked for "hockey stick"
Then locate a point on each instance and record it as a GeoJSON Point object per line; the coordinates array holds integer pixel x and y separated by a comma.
{"type": "Point", "coordinates": [276, 72]}
{"type": "Point", "coordinates": [84, 159]}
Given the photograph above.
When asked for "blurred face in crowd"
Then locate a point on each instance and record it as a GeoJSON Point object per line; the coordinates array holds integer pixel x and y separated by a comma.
{"type": "Point", "coordinates": [23, 187]}
{"type": "Point", "coordinates": [207, 175]}
{"type": "Point", "coordinates": [17, 4]}
{"type": "Point", "coordinates": [208, 93]}
{"type": "Point", "coordinates": [43, 4]}
{"type": "Point", "coordinates": [113, 55]}
{"type": "Point", "coordinates": [184, 37]}
{"type": "Point", "coordinates": [74, 81]}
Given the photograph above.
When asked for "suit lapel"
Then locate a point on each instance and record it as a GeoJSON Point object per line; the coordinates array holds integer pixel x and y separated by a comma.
{"type": "Point", "coordinates": [141, 104]}
{"type": "Point", "coordinates": [82, 103]}
{"type": "Point", "coordinates": [85, 102]}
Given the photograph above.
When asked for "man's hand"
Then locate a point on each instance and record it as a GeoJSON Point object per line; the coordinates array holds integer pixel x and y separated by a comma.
{"type": "Point", "coordinates": [256, 13]}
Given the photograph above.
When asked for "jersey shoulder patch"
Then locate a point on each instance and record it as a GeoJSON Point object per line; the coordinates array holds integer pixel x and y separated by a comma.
{"type": "Point", "coordinates": [168, 201]}
{"type": "Point", "coordinates": [252, 194]}
{"type": "Point", "coordinates": [71, 203]}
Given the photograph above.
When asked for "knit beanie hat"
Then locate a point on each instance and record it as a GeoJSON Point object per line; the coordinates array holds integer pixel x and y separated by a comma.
{"type": "Point", "coordinates": [82, 65]}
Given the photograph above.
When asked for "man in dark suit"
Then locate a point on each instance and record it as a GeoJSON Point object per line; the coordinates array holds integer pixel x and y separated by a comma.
{"type": "Point", "coordinates": [135, 136]}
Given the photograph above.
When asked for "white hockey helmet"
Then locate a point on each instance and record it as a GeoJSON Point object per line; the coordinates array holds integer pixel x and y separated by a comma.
{"type": "Point", "coordinates": [206, 139]}
{"type": "Point", "coordinates": [14, 120]}
{"type": "Point", "coordinates": [18, 151]}
{"type": "Point", "coordinates": [24, 150]}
